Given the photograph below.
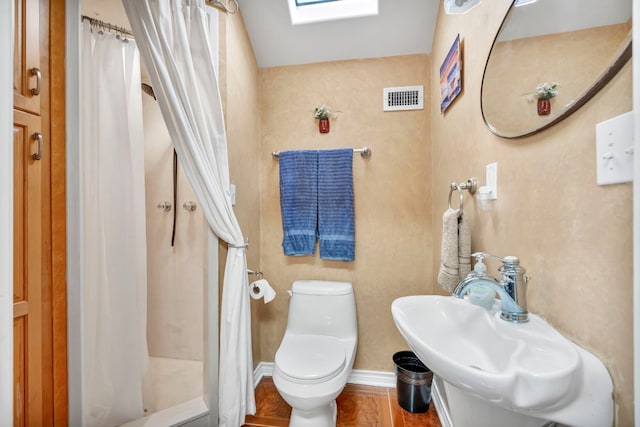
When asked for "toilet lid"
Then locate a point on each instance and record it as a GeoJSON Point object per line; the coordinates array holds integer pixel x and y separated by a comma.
{"type": "Point", "coordinates": [310, 358]}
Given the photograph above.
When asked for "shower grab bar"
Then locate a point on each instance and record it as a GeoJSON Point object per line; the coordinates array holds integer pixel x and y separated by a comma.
{"type": "Point", "coordinates": [364, 152]}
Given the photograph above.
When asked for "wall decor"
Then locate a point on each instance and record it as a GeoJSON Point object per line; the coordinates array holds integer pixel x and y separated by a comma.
{"type": "Point", "coordinates": [323, 114]}
{"type": "Point", "coordinates": [451, 75]}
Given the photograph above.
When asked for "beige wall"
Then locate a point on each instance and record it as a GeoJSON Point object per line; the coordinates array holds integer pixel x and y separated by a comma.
{"type": "Point", "coordinates": [239, 90]}
{"type": "Point", "coordinates": [392, 191]}
{"type": "Point", "coordinates": [573, 236]}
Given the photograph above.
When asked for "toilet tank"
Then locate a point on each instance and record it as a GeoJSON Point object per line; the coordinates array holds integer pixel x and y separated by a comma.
{"type": "Point", "coordinates": [322, 308]}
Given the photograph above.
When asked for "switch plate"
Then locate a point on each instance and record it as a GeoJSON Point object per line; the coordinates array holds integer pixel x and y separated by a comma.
{"type": "Point", "coordinates": [232, 194]}
{"type": "Point", "coordinates": [491, 179]}
{"type": "Point", "coordinates": [614, 150]}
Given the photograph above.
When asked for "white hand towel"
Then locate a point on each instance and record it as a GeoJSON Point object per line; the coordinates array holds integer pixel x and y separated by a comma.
{"type": "Point", "coordinates": [464, 247]}
{"type": "Point", "coordinates": [449, 274]}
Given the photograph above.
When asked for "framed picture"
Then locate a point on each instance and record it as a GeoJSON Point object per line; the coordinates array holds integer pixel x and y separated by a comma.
{"type": "Point", "coordinates": [451, 76]}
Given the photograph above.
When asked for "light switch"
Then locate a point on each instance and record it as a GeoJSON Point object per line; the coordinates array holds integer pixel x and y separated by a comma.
{"type": "Point", "coordinates": [614, 150]}
{"type": "Point", "coordinates": [232, 194]}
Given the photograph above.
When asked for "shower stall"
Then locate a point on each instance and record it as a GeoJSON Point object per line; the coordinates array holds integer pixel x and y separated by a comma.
{"type": "Point", "coordinates": [176, 254]}
{"type": "Point", "coordinates": [175, 271]}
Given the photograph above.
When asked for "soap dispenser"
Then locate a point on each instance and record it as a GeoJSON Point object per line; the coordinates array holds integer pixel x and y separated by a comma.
{"type": "Point", "coordinates": [481, 294]}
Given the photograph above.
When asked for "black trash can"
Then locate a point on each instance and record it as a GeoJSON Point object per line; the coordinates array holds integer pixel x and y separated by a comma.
{"type": "Point", "coordinates": [413, 382]}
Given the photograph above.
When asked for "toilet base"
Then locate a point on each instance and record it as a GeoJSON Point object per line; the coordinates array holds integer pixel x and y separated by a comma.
{"type": "Point", "coordinates": [325, 416]}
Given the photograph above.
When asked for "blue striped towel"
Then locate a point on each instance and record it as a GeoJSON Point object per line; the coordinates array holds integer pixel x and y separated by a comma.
{"type": "Point", "coordinates": [336, 219]}
{"type": "Point", "coordinates": [299, 201]}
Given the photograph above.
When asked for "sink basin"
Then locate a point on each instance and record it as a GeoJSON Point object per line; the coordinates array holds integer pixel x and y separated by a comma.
{"type": "Point", "coordinates": [524, 367]}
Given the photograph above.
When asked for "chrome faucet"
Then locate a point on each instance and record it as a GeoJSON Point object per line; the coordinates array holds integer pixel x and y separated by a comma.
{"type": "Point", "coordinates": [512, 286]}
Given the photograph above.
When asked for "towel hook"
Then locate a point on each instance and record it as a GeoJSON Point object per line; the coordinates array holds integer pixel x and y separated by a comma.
{"type": "Point", "coordinates": [454, 187]}
{"type": "Point", "coordinates": [471, 185]}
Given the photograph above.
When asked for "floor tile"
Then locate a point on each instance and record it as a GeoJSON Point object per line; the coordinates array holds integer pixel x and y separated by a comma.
{"type": "Point", "coordinates": [358, 406]}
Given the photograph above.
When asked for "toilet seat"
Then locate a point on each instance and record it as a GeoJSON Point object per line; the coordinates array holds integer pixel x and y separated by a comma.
{"type": "Point", "coordinates": [310, 359]}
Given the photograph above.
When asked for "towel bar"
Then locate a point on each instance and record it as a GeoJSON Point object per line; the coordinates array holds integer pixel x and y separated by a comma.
{"type": "Point", "coordinates": [364, 152]}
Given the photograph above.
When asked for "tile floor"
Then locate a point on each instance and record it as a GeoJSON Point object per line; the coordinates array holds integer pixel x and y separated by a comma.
{"type": "Point", "coordinates": [358, 406]}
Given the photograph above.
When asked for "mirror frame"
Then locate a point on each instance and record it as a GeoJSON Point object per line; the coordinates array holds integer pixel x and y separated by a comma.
{"type": "Point", "coordinates": [623, 56]}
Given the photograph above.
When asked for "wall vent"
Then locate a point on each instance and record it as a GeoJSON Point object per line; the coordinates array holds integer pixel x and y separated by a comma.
{"type": "Point", "coordinates": [403, 98]}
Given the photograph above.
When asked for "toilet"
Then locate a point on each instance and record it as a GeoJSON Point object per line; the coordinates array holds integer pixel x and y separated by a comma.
{"type": "Point", "coordinates": [316, 354]}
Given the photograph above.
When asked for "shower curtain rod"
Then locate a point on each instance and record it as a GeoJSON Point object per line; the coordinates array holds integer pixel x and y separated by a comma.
{"type": "Point", "coordinates": [215, 3]}
{"type": "Point", "coordinates": [101, 24]}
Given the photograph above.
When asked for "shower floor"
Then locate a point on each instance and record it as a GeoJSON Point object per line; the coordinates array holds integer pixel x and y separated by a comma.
{"type": "Point", "coordinates": [175, 381]}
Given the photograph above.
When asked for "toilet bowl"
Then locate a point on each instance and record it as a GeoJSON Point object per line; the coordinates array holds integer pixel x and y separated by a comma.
{"type": "Point", "coordinates": [316, 354]}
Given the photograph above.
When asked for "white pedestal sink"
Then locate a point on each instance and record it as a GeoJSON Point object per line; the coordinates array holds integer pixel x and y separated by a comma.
{"type": "Point", "coordinates": [525, 368]}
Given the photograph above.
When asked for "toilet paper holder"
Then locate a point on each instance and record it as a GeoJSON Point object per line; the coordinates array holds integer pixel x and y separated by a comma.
{"type": "Point", "coordinates": [260, 275]}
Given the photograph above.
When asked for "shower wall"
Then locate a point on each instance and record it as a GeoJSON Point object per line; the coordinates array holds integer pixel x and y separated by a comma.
{"type": "Point", "coordinates": [175, 273]}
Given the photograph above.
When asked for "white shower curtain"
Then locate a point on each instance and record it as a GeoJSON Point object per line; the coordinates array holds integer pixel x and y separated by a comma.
{"type": "Point", "coordinates": [113, 239]}
{"type": "Point", "coordinates": [174, 41]}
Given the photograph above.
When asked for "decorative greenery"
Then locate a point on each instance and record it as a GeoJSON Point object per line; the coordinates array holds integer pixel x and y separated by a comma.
{"type": "Point", "coordinates": [323, 112]}
{"type": "Point", "coordinates": [546, 90]}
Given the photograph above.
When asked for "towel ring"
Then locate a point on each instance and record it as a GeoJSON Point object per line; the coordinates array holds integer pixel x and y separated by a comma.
{"type": "Point", "coordinates": [453, 187]}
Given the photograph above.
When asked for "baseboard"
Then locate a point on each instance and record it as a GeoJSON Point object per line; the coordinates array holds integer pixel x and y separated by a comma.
{"type": "Point", "coordinates": [375, 379]}
{"type": "Point", "coordinates": [358, 376]}
{"type": "Point", "coordinates": [264, 369]}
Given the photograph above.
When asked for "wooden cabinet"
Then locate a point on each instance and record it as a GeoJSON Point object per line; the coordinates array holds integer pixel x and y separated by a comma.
{"type": "Point", "coordinates": [39, 300]}
{"type": "Point", "coordinates": [27, 270]}
{"type": "Point", "coordinates": [27, 68]}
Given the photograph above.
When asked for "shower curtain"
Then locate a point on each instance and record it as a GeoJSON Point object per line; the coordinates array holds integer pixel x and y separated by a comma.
{"type": "Point", "coordinates": [175, 43]}
{"type": "Point", "coordinates": [113, 239]}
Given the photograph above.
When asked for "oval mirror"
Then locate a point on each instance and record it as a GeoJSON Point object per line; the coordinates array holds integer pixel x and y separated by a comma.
{"type": "Point", "coordinates": [563, 50]}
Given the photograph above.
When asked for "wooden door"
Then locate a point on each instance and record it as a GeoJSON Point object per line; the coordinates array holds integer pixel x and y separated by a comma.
{"type": "Point", "coordinates": [27, 270]}
{"type": "Point", "coordinates": [27, 70]}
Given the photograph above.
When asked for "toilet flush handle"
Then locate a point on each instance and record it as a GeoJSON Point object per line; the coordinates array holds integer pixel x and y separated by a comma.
{"type": "Point", "coordinates": [289, 292]}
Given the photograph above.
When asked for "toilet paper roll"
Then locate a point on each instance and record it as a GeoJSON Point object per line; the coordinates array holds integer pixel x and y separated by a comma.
{"type": "Point", "coordinates": [262, 289]}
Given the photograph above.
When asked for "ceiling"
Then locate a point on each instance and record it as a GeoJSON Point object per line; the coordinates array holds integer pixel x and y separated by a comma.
{"type": "Point", "coordinates": [402, 27]}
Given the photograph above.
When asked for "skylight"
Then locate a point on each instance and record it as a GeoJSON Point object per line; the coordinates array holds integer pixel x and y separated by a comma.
{"type": "Point", "coordinates": [306, 2]}
{"type": "Point", "coordinates": [308, 11]}
{"type": "Point", "coordinates": [524, 2]}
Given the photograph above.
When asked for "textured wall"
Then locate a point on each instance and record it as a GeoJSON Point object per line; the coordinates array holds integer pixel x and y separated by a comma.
{"type": "Point", "coordinates": [239, 90]}
{"type": "Point", "coordinates": [573, 236]}
{"type": "Point", "coordinates": [394, 245]}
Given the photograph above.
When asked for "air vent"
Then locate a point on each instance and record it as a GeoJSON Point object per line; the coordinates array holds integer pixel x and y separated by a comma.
{"type": "Point", "coordinates": [403, 98]}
